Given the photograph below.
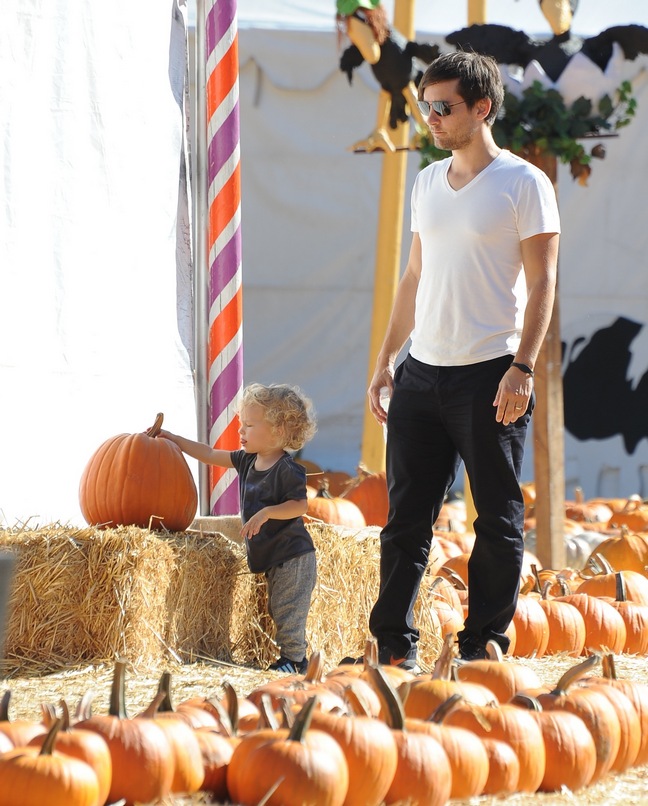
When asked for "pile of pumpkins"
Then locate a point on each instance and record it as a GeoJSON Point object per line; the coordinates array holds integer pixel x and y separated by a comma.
{"type": "Point", "coordinates": [362, 735]}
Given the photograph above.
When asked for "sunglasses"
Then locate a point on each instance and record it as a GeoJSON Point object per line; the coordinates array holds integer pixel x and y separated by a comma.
{"type": "Point", "coordinates": [442, 108]}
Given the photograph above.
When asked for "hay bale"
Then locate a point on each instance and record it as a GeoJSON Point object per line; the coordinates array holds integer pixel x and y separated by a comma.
{"type": "Point", "coordinates": [347, 587]}
{"type": "Point", "coordinates": [91, 595]}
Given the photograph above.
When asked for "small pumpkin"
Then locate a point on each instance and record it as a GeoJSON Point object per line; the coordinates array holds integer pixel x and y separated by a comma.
{"type": "Point", "coordinates": [571, 753]}
{"type": "Point", "coordinates": [85, 745]}
{"type": "Point", "coordinates": [423, 774]}
{"type": "Point", "coordinates": [593, 708]}
{"type": "Point", "coordinates": [289, 766]}
{"type": "Point", "coordinates": [368, 491]}
{"type": "Point", "coordinates": [627, 551]}
{"type": "Point", "coordinates": [135, 745]}
{"type": "Point", "coordinates": [566, 625]}
{"type": "Point", "coordinates": [32, 776]}
{"type": "Point", "coordinates": [334, 510]}
{"type": "Point", "coordinates": [139, 480]}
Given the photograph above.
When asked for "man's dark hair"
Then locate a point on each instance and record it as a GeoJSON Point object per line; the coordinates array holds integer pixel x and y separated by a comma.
{"type": "Point", "coordinates": [479, 77]}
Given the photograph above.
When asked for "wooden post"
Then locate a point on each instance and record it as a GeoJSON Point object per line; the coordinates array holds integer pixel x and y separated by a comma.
{"type": "Point", "coordinates": [388, 251]}
{"type": "Point", "coordinates": [476, 12]}
{"type": "Point", "coordinates": [476, 16]}
{"type": "Point", "coordinates": [548, 427]}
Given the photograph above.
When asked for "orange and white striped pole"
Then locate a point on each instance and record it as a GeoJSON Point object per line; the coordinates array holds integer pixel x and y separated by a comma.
{"type": "Point", "coordinates": [223, 248]}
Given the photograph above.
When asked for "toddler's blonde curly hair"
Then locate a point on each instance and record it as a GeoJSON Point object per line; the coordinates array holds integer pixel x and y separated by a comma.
{"type": "Point", "coordinates": [287, 409]}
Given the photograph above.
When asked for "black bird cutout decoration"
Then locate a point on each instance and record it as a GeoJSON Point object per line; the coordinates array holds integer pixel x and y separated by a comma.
{"type": "Point", "coordinates": [394, 62]}
{"type": "Point", "coordinates": [509, 46]}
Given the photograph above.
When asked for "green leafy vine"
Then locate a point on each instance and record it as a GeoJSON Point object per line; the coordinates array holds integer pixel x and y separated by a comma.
{"type": "Point", "coordinates": [539, 123]}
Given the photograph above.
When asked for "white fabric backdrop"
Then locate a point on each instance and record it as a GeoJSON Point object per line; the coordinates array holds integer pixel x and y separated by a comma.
{"type": "Point", "coordinates": [95, 277]}
{"type": "Point", "coordinates": [95, 280]}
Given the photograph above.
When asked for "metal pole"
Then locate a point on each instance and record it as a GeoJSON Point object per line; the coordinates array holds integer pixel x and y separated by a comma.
{"type": "Point", "coordinates": [200, 204]}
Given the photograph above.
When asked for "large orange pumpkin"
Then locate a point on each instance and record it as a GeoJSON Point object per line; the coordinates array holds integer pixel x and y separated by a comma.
{"type": "Point", "coordinates": [368, 491]}
{"type": "Point", "coordinates": [335, 510]}
{"type": "Point", "coordinates": [138, 480]}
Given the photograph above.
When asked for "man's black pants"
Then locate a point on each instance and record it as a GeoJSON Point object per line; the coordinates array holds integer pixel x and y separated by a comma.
{"type": "Point", "coordinates": [438, 416]}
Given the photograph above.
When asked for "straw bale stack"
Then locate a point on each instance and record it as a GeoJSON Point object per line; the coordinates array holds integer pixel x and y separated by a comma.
{"type": "Point", "coordinates": [91, 595]}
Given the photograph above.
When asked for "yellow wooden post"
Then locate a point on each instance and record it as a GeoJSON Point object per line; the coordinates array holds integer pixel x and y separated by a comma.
{"type": "Point", "coordinates": [388, 250]}
{"type": "Point", "coordinates": [476, 16]}
{"type": "Point", "coordinates": [476, 12]}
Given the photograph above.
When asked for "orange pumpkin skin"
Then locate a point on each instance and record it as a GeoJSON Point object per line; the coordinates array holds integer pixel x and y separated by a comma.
{"type": "Point", "coordinates": [313, 770]}
{"type": "Point", "coordinates": [370, 752]}
{"type": "Point", "coordinates": [138, 480]}
{"type": "Point", "coordinates": [369, 492]}
{"type": "Point", "coordinates": [503, 768]}
{"type": "Point", "coordinates": [513, 725]}
{"type": "Point", "coordinates": [31, 779]}
{"type": "Point", "coordinates": [423, 774]}
{"type": "Point", "coordinates": [86, 746]}
{"type": "Point", "coordinates": [336, 511]}
{"type": "Point", "coordinates": [571, 753]}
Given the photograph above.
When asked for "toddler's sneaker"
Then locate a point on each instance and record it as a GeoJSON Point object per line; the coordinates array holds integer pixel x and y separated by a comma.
{"type": "Point", "coordinates": [289, 666]}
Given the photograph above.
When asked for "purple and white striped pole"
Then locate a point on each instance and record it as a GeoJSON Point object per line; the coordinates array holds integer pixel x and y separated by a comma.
{"type": "Point", "coordinates": [225, 343]}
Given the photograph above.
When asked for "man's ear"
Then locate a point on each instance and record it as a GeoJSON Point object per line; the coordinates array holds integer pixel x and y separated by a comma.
{"type": "Point", "coordinates": [483, 107]}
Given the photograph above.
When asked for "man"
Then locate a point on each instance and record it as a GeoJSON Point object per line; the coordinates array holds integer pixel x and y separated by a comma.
{"type": "Point", "coordinates": [475, 299]}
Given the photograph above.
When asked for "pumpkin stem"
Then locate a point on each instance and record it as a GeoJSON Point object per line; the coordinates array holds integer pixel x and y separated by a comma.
{"type": "Point", "coordinates": [84, 707]}
{"type": "Point", "coordinates": [608, 665]}
{"type": "Point", "coordinates": [155, 429]}
{"type": "Point", "coordinates": [4, 706]}
{"type": "Point", "coordinates": [371, 650]}
{"type": "Point", "coordinates": [575, 673]}
{"type": "Point", "coordinates": [48, 713]}
{"type": "Point", "coordinates": [164, 688]}
{"type": "Point", "coordinates": [604, 563]}
{"type": "Point", "coordinates": [494, 651]}
{"type": "Point", "coordinates": [287, 715]}
{"type": "Point", "coordinates": [621, 594]}
{"type": "Point", "coordinates": [443, 663]}
{"type": "Point", "coordinates": [48, 744]}
{"type": "Point", "coordinates": [267, 718]}
{"type": "Point", "coordinates": [152, 708]}
{"type": "Point", "coordinates": [526, 701]}
{"type": "Point", "coordinates": [65, 715]}
{"type": "Point", "coordinates": [545, 589]}
{"type": "Point", "coordinates": [118, 691]}
{"type": "Point", "coordinates": [453, 576]}
{"type": "Point", "coordinates": [223, 717]}
{"type": "Point", "coordinates": [527, 586]}
{"type": "Point", "coordinates": [315, 668]}
{"type": "Point", "coordinates": [536, 576]}
{"type": "Point", "coordinates": [356, 701]}
{"type": "Point", "coordinates": [231, 706]}
{"type": "Point", "coordinates": [302, 720]}
{"type": "Point", "coordinates": [441, 712]}
{"type": "Point", "coordinates": [389, 699]}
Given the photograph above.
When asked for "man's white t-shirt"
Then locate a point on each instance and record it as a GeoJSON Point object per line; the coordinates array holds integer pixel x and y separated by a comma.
{"type": "Point", "coordinates": [472, 292]}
